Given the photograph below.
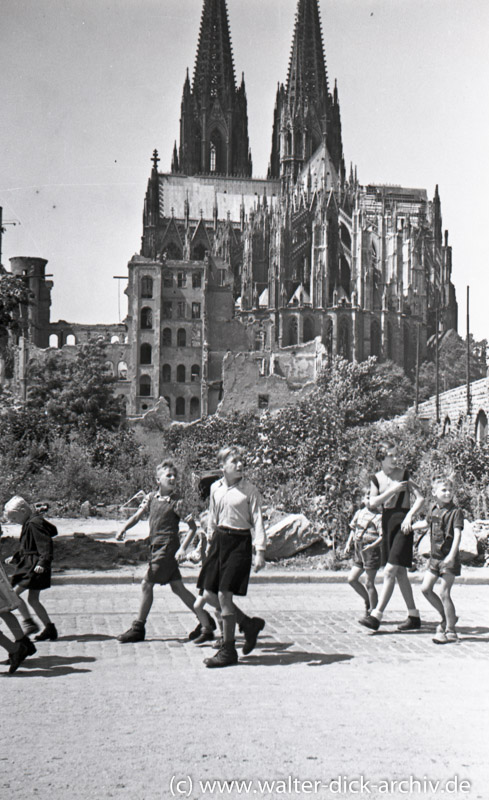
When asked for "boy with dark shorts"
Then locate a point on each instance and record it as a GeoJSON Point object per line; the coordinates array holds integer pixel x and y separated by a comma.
{"type": "Point", "coordinates": [234, 509]}
{"type": "Point", "coordinates": [165, 511]}
{"type": "Point", "coordinates": [366, 536]}
{"type": "Point", "coordinates": [445, 522]}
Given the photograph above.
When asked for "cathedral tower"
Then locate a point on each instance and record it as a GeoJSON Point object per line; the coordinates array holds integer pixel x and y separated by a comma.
{"type": "Point", "coordinates": [306, 114]}
{"type": "Point", "coordinates": [214, 115]}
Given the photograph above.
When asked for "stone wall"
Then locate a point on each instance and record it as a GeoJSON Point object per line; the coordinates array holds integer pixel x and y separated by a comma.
{"type": "Point", "coordinates": [453, 409]}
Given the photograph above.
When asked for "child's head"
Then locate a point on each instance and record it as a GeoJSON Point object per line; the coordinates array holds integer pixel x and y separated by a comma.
{"type": "Point", "coordinates": [18, 510]}
{"type": "Point", "coordinates": [363, 495]}
{"type": "Point", "coordinates": [442, 489]}
{"type": "Point", "coordinates": [387, 455]}
{"type": "Point", "coordinates": [166, 476]}
{"type": "Point", "coordinates": [232, 463]}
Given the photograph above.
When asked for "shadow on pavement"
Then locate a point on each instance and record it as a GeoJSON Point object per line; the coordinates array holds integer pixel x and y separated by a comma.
{"type": "Point", "coordinates": [50, 667]}
{"type": "Point", "coordinates": [279, 655]}
{"type": "Point", "coordinates": [86, 637]}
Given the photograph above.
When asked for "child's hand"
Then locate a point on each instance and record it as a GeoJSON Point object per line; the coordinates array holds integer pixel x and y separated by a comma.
{"type": "Point", "coordinates": [120, 536]}
{"type": "Point", "coordinates": [180, 555]}
{"type": "Point", "coordinates": [9, 560]}
{"type": "Point", "coordinates": [259, 560]}
{"type": "Point", "coordinates": [38, 569]}
{"type": "Point", "coordinates": [399, 486]}
{"type": "Point", "coordinates": [407, 525]}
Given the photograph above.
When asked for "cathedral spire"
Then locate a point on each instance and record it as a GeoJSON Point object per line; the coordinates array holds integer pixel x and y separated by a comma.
{"type": "Point", "coordinates": [307, 78]}
{"type": "Point", "coordinates": [214, 65]}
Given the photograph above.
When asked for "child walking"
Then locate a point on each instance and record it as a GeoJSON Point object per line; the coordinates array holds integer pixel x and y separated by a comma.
{"type": "Point", "coordinates": [234, 509]}
{"type": "Point", "coordinates": [165, 511]}
{"type": "Point", "coordinates": [366, 536]}
{"type": "Point", "coordinates": [390, 492]}
{"type": "Point", "coordinates": [32, 563]}
{"type": "Point", "coordinates": [21, 646]}
{"type": "Point", "coordinates": [445, 522]}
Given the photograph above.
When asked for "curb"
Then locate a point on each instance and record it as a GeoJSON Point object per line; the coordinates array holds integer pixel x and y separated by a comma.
{"type": "Point", "coordinates": [114, 578]}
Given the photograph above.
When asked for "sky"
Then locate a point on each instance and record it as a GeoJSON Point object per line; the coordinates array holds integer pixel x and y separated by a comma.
{"type": "Point", "coordinates": [90, 87]}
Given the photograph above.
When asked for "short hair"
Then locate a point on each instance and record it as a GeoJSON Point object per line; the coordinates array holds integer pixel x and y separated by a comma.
{"type": "Point", "coordinates": [17, 503]}
{"type": "Point", "coordinates": [383, 448]}
{"type": "Point", "coordinates": [439, 479]}
{"type": "Point", "coordinates": [167, 463]}
{"type": "Point", "coordinates": [230, 450]}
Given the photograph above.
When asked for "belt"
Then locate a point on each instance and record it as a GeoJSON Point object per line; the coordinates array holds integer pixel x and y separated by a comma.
{"type": "Point", "coordinates": [225, 529]}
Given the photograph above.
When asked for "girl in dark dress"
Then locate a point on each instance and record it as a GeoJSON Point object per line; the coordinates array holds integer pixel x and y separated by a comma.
{"type": "Point", "coordinates": [390, 492]}
{"type": "Point", "coordinates": [32, 564]}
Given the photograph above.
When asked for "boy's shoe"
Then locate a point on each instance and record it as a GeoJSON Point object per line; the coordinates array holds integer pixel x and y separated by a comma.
{"type": "Point", "coordinates": [48, 634]}
{"type": "Point", "coordinates": [410, 624]}
{"type": "Point", "coordinates": [16, 659]}
{"type": "Point", "coordinates": [440, 637]}
{"type": "Point", "coordinates": [451, 636]}
{"type": "Point", "coordinates": [251, 629]}
{"type": "Point", "coordinates": [368, 621]}
{"type": "Point", "coordinates": [193, 635]}
{"type": "Point", "coordinates": [30, 627]}
{"type": "Point", "coordinates": [441, 627]}
{"type": "Point", "coordinates": [207, 635]}
{"type": "Point", "coordinates": [31, 648]}
{"type": "Point", "coordinates": [225, 657]}
{"type": "Point", "coordinates": [136, 633]}
{"type": "Point", "coordinates": [218, 643]}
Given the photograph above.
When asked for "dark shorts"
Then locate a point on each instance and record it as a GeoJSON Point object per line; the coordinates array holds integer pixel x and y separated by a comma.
{"type": "Point", "coordinates": [227, 565]}
{"type": "Point", "coordinates": [437, 568]}
{"type": "Point", "coordinates": [162, 567]}
{"type": "Point", "coordinates": [25, 576]}
{"type": "Point", "coordinates": [366, 559]}
{"type": "Point", "coordinates": [397, 547]}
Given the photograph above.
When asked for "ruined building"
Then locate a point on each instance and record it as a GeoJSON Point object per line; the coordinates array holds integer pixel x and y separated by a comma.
{"type": "Point", "coordinates": [291, 269]}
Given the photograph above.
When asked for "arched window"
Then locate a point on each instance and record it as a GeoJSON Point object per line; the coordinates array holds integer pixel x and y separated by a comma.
{"type": "Point", "coordinates": [166, 337]}
{"type": "Point", "coordinates": [173, 251]}
{"type": "Point", "coordinates": [146, 318]}
{"type": "Point", "coordinates": [344, 340]}
{"type": "Point", "coordinates": [375, 339]}
{"type": "Point", "coordinates": [180, 407]}
{"type": "Point", "coordinates": [195, 373]}
{"type": "Point", "coordinates": [198, 253]}
{"type": "Point", "coordinates": [146, 352]}
{"type": "Point", "coordinates": [181, 337]}
{"type": "Point", "coordinates": [145, 386]}
{"type": "Point", "coordinates": [166, 373]}
{"type": "Point", "coordinates": [122, 371]}
{"type": "Point", "coordinates": [146, 286]}
{"type": "Point", "coordinates": [216, 153]}
{"type": "Point", "coordinates": [213, 158]}
{"type": "Point", "coordinates": [447, 426]}
{"type": "Point", "coordinates": [481, 427]}
{"type": "Point", "coordinates": [292, 333]}
{"type": "Point", "coordinates": [181, 373]}
{"type": "Point", "coordinates": [53, 340]}
{"type": "Point", "coordinates": [194, 408]}
{"type": "Point", "coordinates": [308, 329]}
{"type": "Point", "coordinates": [70, 339]}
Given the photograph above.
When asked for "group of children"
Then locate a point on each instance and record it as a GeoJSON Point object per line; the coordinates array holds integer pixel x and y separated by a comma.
{"type": "Point", "coordinates": [382, 533]}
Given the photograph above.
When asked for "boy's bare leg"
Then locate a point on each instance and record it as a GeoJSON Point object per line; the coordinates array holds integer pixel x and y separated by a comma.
{"type": "Point", "coordinates": [370, 587]}
{"type": "Point", "coordinates": [37, 606]}
{"type": "Point", "coordinates": [357, 585]}
{"type": "Point", "coordinates": [22, 608]}
{"type": "Point", "coordinates": [388, 585]}
{"type": "Point", "coordinates": [146, 600]}
{"type": "Point", "coordinates": [427, 590]}
{"type": "Point", "coordinates": [447, 581]}
{"type": "Point", "coordinates": [13, 624]}
{"type": "Point", "coordinates": [406, 588]}
{"type": "Point", "coordinates": [7, 644]}
{"type": "Point", "coordinates": [181, 591]}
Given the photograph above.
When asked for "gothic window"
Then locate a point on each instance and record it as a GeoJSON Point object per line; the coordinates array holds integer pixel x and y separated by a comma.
{"type": "Point", "coordinates": [166, 373]}
{"type": "Point", "coordinates": [221, 277]}
{"type": "Point", "coordinates": [345, 275]}
{"type": "Point", "coordinates": [166, 337]}
{"type": "Point", "coordinates": [292, 333]}
{"type": "Point", "coordinates": [196, 280]}
{"type": "Point", "coordinates": [194, 408]}
{"type": "Point", "coordinates": [181, 337]}
{"type": "Point", "coordinates": [146, 318]}
{"type": "Point", "coordinates": [199, 252]}
{"type": "Point", "coordinates": [181, 373]}
{"type": "Point", "coordinates": [216, 153]}
{"type": "Point", "coordinates": [195, 373]}
{"type": "Point", "coordinates": [145, 355]}
{"type": "Point", "coordinates": [375, 339]}
{"type": "Point", "coordinates": [195, 310]}
{"type": "Point", "coordinates": [173, 251]}
{"type": "Point", "coordinates": [481, 427]}
{"type": "Point", "coordinates": [308, 329]}
{"type": "Point", "coordinates": [390, 342]}
{"type": "Point", "coordinates": [213, 158]}
{"type": "Point", "coordinates": [180, 407]}
{"type": "Point", "coordinates": [182, 280]}
{"type": "Point", "coordinates": [147, 286]}
{"type": "Point", "coordinates": [328, 337]}
{"type": "Point", "coordinates": [145, 386]}
{"type": "Point", "coordinates": [122, 371]}
{"type": "Point", "coordinates": [344, 340]}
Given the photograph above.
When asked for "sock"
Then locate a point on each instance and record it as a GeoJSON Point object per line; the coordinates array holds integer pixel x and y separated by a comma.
{"type": "Point", "coordinates": [377, 614]}
{"type": "Point", "coordinates": [228, 627]}
{"type": "Point", "coordinates": [240, 616]}
{"type": "Point", "coordinates": [413, 612]}
{"type": "Point", "coordinates": [28, 620]}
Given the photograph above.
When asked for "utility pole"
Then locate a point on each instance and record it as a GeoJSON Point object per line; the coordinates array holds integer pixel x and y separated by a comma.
{"type": "Point", "coordinates": [416, 396]}
{"type": "Point", "coordinates": [468, 354]}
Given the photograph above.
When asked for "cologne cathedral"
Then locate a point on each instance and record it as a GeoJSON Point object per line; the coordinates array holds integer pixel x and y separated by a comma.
{"type": "Point", "coordinates": [233, 263]}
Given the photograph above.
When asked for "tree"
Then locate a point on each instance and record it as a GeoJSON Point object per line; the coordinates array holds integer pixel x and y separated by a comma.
{"type": "Point", "coordinates": [13, 293]}
{"type": "Point", "coordinates": [452, 362]}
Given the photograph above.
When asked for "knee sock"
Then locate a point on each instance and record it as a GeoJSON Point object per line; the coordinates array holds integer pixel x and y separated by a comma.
{"type": "Point", "coordinates": [413, 612]}
{"type": "Point", "coordinates": [228, 628]}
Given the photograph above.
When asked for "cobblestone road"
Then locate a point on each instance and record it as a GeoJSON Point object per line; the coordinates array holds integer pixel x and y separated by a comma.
{"type": "Point", "coordinates": [319, 700]}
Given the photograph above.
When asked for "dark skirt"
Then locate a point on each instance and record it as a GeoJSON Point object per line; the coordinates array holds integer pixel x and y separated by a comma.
{"type": "Point", "coordinates": [25, 576]}
{"type": "Point", "coordinates": [227, 565]}
{"type": "Point", "coordinates": [163, 567]}
{"type": "Point", "coordinates": [397, 547]}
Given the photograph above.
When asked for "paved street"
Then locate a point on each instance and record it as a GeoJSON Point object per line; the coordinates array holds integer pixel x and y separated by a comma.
{"type": "Point", "coordinates": [319, 700]}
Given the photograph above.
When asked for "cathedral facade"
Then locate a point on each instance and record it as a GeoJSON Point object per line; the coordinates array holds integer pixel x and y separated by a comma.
{"type": "Point", "coordinates": [231, 263]}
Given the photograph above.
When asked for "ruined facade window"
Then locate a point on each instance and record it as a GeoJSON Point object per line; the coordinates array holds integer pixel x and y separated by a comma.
{"type": "Point", "coordinates": [168, 280]}
{"type": "Point", "coordinates": [196, 337]}
{"type": "Point", "coordinates": [221, 277]}
{"type": "Point", "coordinates": [181, 337]}
{"type": "Point", "coordinates": [181, 373]}
{"type": "Point", "coordinates": [181, 309]}
{"type": "Point", "coordinates": [108, 368]}
{"type": "Point", "coordinates": [195, 310]}
{"type": "Point", "coordinates": [263, 400]}
{"type": "Point", "coordinates": [145, 353]}
{"type": "Point", "coordinates": [195, 373]}
{"type": "Point", "coordinates": [122, 371]}
{"type": "Point", "coordinates": [113, 340]}
{"type": "Point", "coordinates": [53, 340]}
{"type": "Point", "coordinates": [481, 427]}
{"type": "Point", "coordinates": [180, 407]}
{"type": "Point", "coordinates": [182, 280]}
{"type": "Point", "coordinates": [196, 280]}
{"type": "Point", "coordinates": [194, 407]}
{"type": "Point", "coordinates": [147, 286]}
{"type": "Point", "coordinates": [166, 337]}
{"type": "Point", "coordinates": [166, 373]}
{"type": "Point", "coordinates": [308, 333]}
{"type": "Point", "coordinates": [71, 340]}
{"type": "Point", "coordinates": [146, 318]}
{"type": "Point", "coordinates": [145, 386]}
{"type": "Point", "coordinates": [167, 309]}
{"type": "Point", "coordinates": [263, 367]}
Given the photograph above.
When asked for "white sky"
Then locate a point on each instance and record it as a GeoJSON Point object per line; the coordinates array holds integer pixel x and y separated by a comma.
{"type": "Point", "coordinates": [90, 87]}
